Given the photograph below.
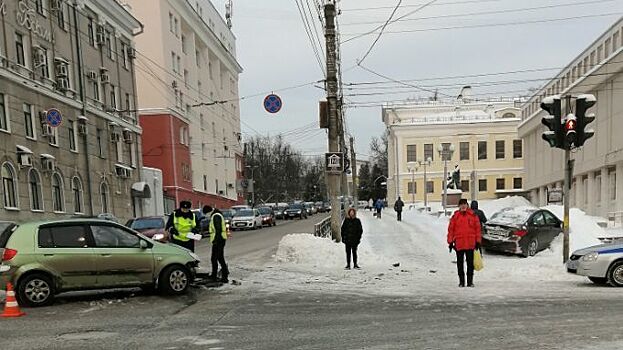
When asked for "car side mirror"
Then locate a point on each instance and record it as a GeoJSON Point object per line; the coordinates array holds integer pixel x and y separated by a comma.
{"type": "Point", "coordinates": [144, 244]}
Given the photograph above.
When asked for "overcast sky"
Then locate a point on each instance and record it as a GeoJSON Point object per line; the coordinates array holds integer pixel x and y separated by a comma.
{"type": "Point", "coordinates": [275, 52]}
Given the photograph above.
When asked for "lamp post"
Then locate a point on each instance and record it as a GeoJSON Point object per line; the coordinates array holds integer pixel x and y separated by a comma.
{"type": "Point", "coordinates": [425, 163]}
{"type": "Point", "coordinates": [445, 154]}
{"type": "Point", "coordinates": [252, 167]}
{"type": "Point", "coordinates": [412, 167]}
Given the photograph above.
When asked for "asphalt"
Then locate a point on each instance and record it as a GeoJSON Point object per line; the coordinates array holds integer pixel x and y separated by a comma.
{"type": "Point", "coordinates": [231, 317]}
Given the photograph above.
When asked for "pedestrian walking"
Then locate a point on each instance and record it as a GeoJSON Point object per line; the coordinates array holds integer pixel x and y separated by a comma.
{"type": "Point", "coordinates": [182, 222]}
{"type": "Point", "coordinates": [479, 213]}
{"type": "Point", "coordinates": [464, 237]}
{"type": "Point", "coordinates": [379, 207]}
{"type": "Point", "coordinates": [351, 236]}
{"type": "Point", "coordinates": [371, 204]}
{"type": "Point", "coordinates": [398, 205]}
{"type": "Point", "coordinates": [218, 238]}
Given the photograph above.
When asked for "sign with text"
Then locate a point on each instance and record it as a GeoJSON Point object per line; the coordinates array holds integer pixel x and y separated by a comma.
{"type": "Point", "coordinates": [554, 195]}
{"type": "Point", "coordinates": [334, 162]}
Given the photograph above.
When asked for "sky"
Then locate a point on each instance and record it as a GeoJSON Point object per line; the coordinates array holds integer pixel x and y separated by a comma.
{"type": "Point", "coordinates": [448, 39]}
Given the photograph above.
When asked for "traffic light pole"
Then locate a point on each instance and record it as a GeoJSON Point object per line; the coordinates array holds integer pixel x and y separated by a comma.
{"type": "Point", "coordinates": [566, 191]}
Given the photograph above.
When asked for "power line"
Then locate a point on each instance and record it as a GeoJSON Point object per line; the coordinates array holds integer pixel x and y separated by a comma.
{"type": "Point", "coordinates": [416, 5]}
{"type": "Point", "coordinates": [381, 32]}
{"type": "Point", "coordinates": [396, 81]}
{"type": "Point", "coordinates": [308, 30]}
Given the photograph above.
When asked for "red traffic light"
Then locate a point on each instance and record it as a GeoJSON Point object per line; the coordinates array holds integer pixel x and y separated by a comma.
{"type": "Point", "coordinates": [570, 125]}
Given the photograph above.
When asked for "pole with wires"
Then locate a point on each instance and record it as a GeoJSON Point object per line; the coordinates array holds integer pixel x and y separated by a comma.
{"type": "Point", "coordinates": [332, 101]}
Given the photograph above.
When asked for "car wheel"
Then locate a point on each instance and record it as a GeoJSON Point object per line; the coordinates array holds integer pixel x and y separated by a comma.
{"type": "Point", "coordinates": [601, 281]}
{"type": "Point", "coordinates": [615, 274]}
{"type": "Point", "coordinates": [274, 223]}
{"type": "Point", "coordinates": [36, 289]}
{"type": "Point", "coordinates": [174, 280]}
{"type": "Point", "coordinates": [531, 248]}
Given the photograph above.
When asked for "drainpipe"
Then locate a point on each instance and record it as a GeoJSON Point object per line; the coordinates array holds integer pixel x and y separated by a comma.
{"type": "Point", "coordinates": [83, 97]}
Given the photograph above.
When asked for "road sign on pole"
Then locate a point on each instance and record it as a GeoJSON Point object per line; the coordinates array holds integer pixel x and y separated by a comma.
{"type": "Point", "coordinates": [272, 103]}
{"type": "Point", "coordinates": [334, 162]}
{"type": "Point", "coordinates": [54, 118]}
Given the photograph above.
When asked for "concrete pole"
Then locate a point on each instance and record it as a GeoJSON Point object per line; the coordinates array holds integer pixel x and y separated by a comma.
{"type": "Point", "coordinates": [332, 92]}
{"type": "Point", "coordinates": [353, 165]}
{"type": "Point", "coordinates": [605, 198]}
{"type": "Point", "coordinates": [619, 186]}
{"type": "Point", "coordinates": [590, 208]}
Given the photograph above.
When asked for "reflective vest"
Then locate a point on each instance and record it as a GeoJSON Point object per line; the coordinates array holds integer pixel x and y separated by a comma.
{"type": "Point", "coordinates": [183, 226]}
{"type": "Point", "coordinates": [213, 229]}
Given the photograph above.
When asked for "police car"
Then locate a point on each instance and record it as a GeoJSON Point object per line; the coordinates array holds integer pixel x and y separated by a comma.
{"type": "Point", "coordinates": [602, 264]}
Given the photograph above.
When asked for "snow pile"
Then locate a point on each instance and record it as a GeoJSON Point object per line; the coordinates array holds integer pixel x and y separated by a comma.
{"type": "Point", "coordinates": [512, 216]}
{"type": "Point", "coordinates": [583, 229]}
{"type": "Point", "coordinates": [490, 207]}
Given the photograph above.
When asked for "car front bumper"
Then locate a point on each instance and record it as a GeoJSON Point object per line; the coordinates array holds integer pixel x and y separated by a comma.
{"type": "Point", "coordinates": [598, 268]}
{"type": "Point", "coordinates": [241, 224]}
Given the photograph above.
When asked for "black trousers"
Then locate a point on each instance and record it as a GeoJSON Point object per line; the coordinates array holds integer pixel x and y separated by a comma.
{"type": "Point", "coordinates": [190, 244]}
{"type": "Point", "coordinates": [218, 257]}
{"type": "Point", "coordinates": [399, 214]}
{"type": "Point", "coordinates": [469, 256]}
{"type": "Point", "coordinates": [351, 249]}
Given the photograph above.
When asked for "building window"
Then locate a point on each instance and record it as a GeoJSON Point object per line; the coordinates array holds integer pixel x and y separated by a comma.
{"type": "Point", "coordinates": [53, 136]}
{"type": "Point", "coordinates": [34, 184]}
{"type": "Point", "coordinates": [186, 77]}
{"type": "Point", "coordinates": [128, 103]}
{"type": "Point", "coordinates": [133, 155]}
{"type": "Point", "coordinates": [58, 202]}
{"type": "Point", "coordinates": [19, 49]}
{"type": "Point", "coordinates": [39, 7]}
{"type": "Point", "coordinates": [411, 187]}
{"type": "Point", "coordinates": [205, 182]}
{"type": "Point", "coordinates": [464, 150]}
{"type": "Point", "coordinates": [446, 151]}
{"type": "Point", "coordinates": [428, 151]}
{"type": "Point", "coordinates": [518, 183]}
{"type": "Point", "coordinates": [29, 123]}
{"type": "Point", "coordinates": [100, 148]}
{"type": "Point", "coordinates": [482, 150]}
{"type": "Point", "coordinates": [500, 184]}
{"type": "Point", "coordinates": [198, 58]}
{"type": "Point", "coordinates": [174, 61]}
{"type": "Point", "coordinates": [199, 87]}
{"type": "Point", "coordinates": [91, 31]}
{"type": "Point", "coordinates": [4, 115]}
{"type": "Point", "coordinates": [175, 26]}
{"type": "Point", "coordinates": [113, 97]}
{"type": "Point", "coordinates": [96, 90]}
{"type": "Point", "coordinates": [210, 69]}
{"type": "Point", "coordinates": [60, 14]}
{"type": "Point", "coordinates": [430, 187]}
{"type": "Point", "coordinates": [411, 153]}
{"type": "Point", "coordinates": [76, 188]}
{"type": "Point", "coordinates": [72, 135]}
{"type": "Point", "coordinates": [499, 149]}
{"type": "Point", "coordinates": [179, 64]}
{"type": "Point", "coordinates": [183, 43]}
{"type": "Point", "coordinates": [104, 197]}
{"type": "Point", "coordinates": [613, 184]}
{"type": "Point", "coordinates": [517, 149]}
{"type": "Point", "coordinates": [41, 62]}
{"type": "Point", "coordinates": [482, 185]}
{"type": "Point", "coordinates": [171, 23]}
{"type": "Point", "coordinates": [109, 44]}
{"type": "Point", "coordinates": [124, 51]}
{"type": "Point", "coordinates": [465, 185]}
{"type": "Point", "coordinates": [9, 186]}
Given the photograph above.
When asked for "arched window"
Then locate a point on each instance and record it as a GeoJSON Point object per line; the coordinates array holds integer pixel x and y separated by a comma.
{"type": "Point", "coordinates": [58, 201]}
{"type": "Point", "coordinates": [9, 185]}
{"type": "Point", "coordinates": [34, 186]}
{"type": "Point", "coordinates": [104, 194]}
{"type": "Point", "coordinates": [76, 189]}
{"type": "Point", "coordinates": [508, 115]}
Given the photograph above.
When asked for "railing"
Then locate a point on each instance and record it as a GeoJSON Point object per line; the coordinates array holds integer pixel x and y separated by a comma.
{"type": "Point", "coordinates": [323, 228]}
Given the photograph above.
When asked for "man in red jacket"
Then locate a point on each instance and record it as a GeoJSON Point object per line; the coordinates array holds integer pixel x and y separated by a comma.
{"type": "Point", "coordinates": [464, 236]}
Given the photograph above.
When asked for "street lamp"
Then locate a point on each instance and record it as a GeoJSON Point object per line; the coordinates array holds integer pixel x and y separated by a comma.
{"type": "Point", "coordinates": [252, 167]}
{"type": "Point", "coordinates": [412, 167]}
{"type": "Point", "coordinates": [425, 163]}
{"type": "Point", "coordinates": [445, 154]}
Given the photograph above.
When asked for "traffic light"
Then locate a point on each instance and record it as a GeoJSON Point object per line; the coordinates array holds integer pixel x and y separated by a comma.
{"type": "Point", "coordinates": [554, 136]}
{"type": "Point", "coordinates": [582, 104]}
{"type": "Point", "coordinates": [571, 135]}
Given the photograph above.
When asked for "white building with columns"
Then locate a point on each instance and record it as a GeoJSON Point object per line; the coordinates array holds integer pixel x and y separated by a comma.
{"type": "Point", "coordinates": [598, 175]}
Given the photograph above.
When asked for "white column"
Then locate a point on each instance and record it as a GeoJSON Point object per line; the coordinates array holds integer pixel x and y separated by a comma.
{"type": "Point", "coordinates": [619, 186]}
{"type": "Point", "coordinates": [534, 196]}
{"type": "Point", "coordinates": [542, 196]}
{"type": "Point", "coordinates": [605, 195]}
{"type": "Point", "coordinates": [592, 203]}
{"type": "Point", "coordinates": [579, 198]}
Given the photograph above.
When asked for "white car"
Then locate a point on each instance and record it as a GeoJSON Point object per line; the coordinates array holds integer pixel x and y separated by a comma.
{"type": "Point", "coordinates": [602, 264]}
{"type": "Point", "coordinates": [246, 219]}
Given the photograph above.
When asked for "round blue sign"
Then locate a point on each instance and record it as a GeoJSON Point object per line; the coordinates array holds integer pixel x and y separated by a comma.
{"type": "Point", "coordinates": [54, 117]}
{"type": "Point", "coordinates": [272, 103]}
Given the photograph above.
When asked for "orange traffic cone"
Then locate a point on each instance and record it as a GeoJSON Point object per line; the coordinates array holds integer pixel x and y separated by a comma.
{"type": "Point", "coordinates": [11, 308]}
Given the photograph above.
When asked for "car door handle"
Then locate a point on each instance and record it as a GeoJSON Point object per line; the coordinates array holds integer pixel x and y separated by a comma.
{"type": "Point", "coordinates": [48, 254]}
{"type": "Point", "coordinates": [106, 255]}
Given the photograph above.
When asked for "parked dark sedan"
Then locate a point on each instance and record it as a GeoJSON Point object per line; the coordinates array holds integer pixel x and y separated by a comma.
{"type": "Point", "coordinates": [151, 227]}
{"type": "Point", "coordinates": [280, 212]}
{"type": "Point", "coordinates": [296, 210]}
{"type": "Point", "coordinates": [521, 230]}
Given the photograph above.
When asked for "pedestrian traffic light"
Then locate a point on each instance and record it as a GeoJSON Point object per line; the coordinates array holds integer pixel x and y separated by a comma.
{"type": "Point", "coordinates": [554, 136]}
{"type": "Point", "coordinates": [571, 135]}
{"type": "Point", "coordinates": [582, 104]}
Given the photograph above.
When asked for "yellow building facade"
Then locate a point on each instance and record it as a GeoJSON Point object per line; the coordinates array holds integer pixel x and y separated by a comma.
{"type": "Point", "coordinates": [483, 135]}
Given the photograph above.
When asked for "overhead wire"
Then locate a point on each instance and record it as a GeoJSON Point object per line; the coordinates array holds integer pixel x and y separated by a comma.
{"type": "Point", "coordinates": [310, 36]}
{"type": "Point", "coordinates": [381, 32]}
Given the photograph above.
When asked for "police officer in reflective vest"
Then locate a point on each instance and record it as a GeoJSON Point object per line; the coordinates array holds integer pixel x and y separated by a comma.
{"type": "Point", "coordinates": [218, 238]}
{"type": "Point", "coordinates": [182, 222]}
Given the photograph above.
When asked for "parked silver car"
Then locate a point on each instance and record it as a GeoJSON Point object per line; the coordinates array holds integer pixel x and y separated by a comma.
{"type": "Point", "coordinates": [246, 219]}
{"type": "Point", "coordinates": [602, 264]}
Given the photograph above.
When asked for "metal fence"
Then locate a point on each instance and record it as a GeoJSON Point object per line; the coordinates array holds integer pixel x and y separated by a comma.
{"type": "Point", "coordinates": [323, 228]}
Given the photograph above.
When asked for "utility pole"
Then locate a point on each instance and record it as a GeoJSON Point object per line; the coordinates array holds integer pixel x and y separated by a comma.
{"type": "Point", "coordinates": [332, 92]}
{"type": "Point", "coordinates": [353, 166]}
{"type": "Point", "coordinates": [566, 190]}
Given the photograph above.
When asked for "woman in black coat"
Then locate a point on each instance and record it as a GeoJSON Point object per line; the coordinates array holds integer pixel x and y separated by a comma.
{"type": "Point", "coordinates": [351, 236]}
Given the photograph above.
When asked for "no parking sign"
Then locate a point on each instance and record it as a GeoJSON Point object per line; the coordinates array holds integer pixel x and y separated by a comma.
{"type": "Point", "coordinates": [272, 103]}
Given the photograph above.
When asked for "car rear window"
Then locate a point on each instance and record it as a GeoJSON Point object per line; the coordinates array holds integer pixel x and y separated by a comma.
{"type": "Point", "coordinates": [73, 236]}
{"type": "Point", "coordinates": [6, 230]}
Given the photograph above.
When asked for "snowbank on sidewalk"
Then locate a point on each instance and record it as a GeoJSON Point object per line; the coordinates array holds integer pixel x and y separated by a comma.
{"type": "Point", "coordinates": [583, 229]}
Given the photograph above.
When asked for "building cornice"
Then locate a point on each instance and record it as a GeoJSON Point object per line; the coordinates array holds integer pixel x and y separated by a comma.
{"type": "Point", "coordinates": [114, 12]}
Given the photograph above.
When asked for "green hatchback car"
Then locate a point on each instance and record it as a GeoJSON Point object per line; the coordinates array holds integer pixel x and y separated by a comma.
{"type": "Point", "coordinates": [46, 258]}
